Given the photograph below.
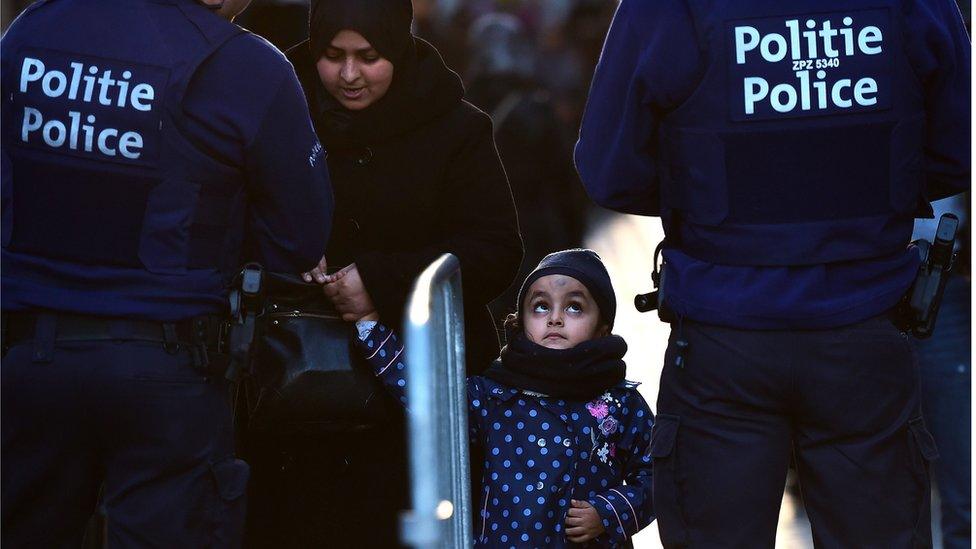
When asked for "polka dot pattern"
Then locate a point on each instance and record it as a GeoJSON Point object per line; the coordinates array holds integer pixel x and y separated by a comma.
{"type": "Point", "coordinates": [542, 452]}
{"type": "Point", "coordinates": [538, 440]}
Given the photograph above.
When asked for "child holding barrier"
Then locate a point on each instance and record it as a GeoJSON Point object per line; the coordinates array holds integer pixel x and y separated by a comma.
{"type": "Point", "coordinates": [566, 437]}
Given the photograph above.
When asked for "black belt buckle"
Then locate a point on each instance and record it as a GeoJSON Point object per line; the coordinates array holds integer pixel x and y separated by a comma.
{"type": "Point", "coordinates": [200, 358]}
{"type": "Point", "coordinates": [202, 335]}
{"type": "Point", "coordinates": [210, 337]}
{"type": "Point", "coordinates": [171, 341]}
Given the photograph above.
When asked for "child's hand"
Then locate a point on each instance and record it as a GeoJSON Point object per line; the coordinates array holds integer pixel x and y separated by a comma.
{"type": "Point", "coordinates": [583, 523]}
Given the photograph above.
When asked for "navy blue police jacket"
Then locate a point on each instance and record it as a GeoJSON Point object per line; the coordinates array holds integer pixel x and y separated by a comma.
{"type": "Point", "coordinates": [148, 149]}
{"type": "Point", "coordinates": [542, 452]}
{"type": "Point", "coordinates": [787, 148]}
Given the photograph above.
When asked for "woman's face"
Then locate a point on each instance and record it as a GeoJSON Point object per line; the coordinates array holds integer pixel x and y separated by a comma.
{"type": "Point", "coordinates": [353, 72]}
{"type": "Point", "coordinates": [560, 313]}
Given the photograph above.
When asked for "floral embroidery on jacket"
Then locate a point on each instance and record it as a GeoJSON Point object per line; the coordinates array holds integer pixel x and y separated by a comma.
{"type": "Point", "coordinates": [599, 408]}
{"type": "Point", "coordinates": [608, 426]}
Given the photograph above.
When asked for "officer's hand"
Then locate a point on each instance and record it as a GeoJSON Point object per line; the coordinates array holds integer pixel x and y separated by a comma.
{"type": "Point", "coordinates": [349, 295]}
{"type": "Point", "coordinates": [583, 523]}
{"type": "Point", "coordinates": [318, 273]}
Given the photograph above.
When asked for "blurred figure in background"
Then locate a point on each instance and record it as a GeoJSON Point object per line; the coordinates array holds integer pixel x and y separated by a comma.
{"type": "Point", "coordinates": [445, 26]}
{"type": "Point", "coordinates": [537, 158]}
{"type": "Point", "coordinates": [281, 22]}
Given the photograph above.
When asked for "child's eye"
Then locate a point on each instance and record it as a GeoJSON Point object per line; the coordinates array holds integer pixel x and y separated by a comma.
{"type": "Point", "coordinates": [540, 307]}
{"type": "Point", "coordinates": [574, 308]}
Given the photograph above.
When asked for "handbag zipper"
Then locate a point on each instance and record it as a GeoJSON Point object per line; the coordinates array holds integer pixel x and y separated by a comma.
{"type": "Point", "coordinates": [300, 314]}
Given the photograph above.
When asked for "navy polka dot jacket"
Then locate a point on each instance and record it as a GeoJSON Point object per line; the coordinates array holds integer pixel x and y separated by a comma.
{"type": "Point", "coordinates": [542, 452]}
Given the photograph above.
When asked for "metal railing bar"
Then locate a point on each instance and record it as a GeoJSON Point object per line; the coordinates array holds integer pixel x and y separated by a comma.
{"type": "Point", "coordinates": [437, 411]}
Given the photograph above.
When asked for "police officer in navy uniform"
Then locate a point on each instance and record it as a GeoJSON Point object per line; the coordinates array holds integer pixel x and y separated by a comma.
{"type": "Point", "coordinates": [148, 148]}
{"type": "Point", "coordinates": [787, 148]}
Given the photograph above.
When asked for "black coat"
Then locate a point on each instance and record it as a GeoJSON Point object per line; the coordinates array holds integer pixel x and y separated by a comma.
{"type": "Point", "coordinates": [416, 176]}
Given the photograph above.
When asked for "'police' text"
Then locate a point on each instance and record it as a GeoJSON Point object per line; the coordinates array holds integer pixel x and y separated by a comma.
{"type": "Point", "coordinates": [81, 92]}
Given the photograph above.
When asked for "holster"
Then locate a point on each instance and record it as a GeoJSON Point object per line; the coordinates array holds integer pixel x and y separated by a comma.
{"type": "Point", "coordinates": [246, 305]}
{"type": "Point", "coordinates": [655, 300]}
{"type": "Point", "coordinates": [919, 309]}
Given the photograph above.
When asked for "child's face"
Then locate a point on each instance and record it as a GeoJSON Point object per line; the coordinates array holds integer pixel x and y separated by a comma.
{"type": "Point", "coordinates": [560, 313]}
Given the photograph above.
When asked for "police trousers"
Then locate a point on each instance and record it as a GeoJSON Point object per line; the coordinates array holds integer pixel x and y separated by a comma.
{"type": "Point", "coordinates": [843, 403]}
{"type": "Point", "coordinates": [126, 428]}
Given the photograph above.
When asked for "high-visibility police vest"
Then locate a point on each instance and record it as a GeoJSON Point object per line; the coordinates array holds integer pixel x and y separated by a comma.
{"type": "Point", "coordinates": [100, 171]}
{"type": "Point", "coordinates": [803, 142]}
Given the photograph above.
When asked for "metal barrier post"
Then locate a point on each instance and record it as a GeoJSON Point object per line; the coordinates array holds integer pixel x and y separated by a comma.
{"type": "Point", "coordinates": [437, 411]}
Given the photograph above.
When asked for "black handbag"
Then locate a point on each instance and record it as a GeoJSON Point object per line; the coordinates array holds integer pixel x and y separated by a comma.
{"type": "Point", "coordinates": [305, 376]}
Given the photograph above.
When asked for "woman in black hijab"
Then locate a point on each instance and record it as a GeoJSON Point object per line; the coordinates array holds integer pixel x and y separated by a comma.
{"type": "Point", "coordinates": [416, 174]}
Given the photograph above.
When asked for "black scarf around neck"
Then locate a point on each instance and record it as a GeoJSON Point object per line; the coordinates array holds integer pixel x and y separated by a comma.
{"type": "Point", "coordinates": [580, 373]}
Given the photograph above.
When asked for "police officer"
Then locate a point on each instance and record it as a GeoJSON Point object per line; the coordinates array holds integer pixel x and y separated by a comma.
{"type": "Point", "coordinates": [148, 148]}
{"type": "Point", "coordinates": [787, 148]}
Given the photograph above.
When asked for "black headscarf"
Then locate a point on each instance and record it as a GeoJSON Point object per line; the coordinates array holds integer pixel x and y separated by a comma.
{"type": "Point", "coordinates": [422, 88]}
{"type": "Point", "coordinates": [385, 24]}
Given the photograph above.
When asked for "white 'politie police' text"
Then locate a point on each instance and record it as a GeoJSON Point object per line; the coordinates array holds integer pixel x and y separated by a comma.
{"type": "Point", "coordinates": [84, 84]}
{"type": "Point", "coordinates": [820, 48]}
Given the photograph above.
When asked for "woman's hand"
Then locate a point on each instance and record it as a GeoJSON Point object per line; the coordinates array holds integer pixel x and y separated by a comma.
{"type": "Point", "coordinates": [317, 273]}
{"type": "Point", "coordinates": [583, 523]}
{"type": "Point", "coordinates": [346, 290]}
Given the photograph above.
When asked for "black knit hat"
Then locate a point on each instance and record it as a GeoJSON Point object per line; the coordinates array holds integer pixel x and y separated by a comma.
{"type": "Point", "coordinates": [583, 265]}
{"type": "Point", "coordinates": [384, 23]}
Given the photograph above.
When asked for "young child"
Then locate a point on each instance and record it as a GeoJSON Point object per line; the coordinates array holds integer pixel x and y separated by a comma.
{"type": "Point", "coordinates": [566, 438]}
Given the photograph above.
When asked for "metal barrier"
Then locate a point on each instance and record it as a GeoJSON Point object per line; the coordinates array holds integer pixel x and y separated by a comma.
{"type": "Point", "coordinates": [437, 411]}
